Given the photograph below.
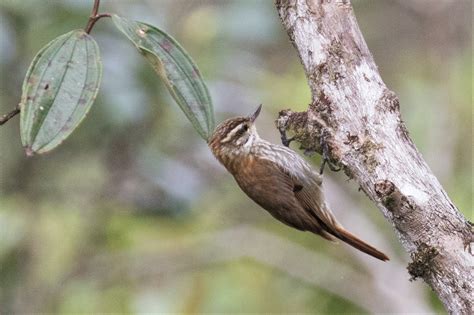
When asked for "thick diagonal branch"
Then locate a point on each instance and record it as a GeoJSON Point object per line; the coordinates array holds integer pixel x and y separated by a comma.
{"type": "Point", "coordinates": [358, 119]}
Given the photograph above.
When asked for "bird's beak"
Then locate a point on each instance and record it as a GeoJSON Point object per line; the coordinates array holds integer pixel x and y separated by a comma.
{"type": "Point", "coordinates": [255, 115]}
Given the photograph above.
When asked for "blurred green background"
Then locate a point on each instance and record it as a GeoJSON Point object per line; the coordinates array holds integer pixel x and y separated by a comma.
{"type": "Point", "coordinates": [133, 214]}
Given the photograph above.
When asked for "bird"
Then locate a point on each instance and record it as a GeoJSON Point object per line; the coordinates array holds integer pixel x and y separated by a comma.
{"type": "Point", "coordinates": [279, 180]}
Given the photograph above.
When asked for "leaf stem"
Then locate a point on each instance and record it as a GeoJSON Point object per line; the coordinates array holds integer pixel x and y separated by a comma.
{"type": "Point", "coordinates": [95, 16]}
{"type": "Point", "coordinates": [10, 115]}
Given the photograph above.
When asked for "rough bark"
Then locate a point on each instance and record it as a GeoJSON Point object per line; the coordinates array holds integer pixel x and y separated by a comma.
{"type": "Point", "coordinates": [355, 118]}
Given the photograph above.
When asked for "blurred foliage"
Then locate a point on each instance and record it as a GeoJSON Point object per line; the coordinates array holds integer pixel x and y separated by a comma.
{"type": "Point", "coordinates": [80, 226]}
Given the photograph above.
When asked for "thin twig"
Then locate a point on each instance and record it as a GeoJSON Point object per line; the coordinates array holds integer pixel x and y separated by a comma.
{"type": "Point", "coordinates": [95, 17]}
{"type": "Point", "coordinates": [10, 115]}
{"type": "Point", "coordinates": [95, 9]}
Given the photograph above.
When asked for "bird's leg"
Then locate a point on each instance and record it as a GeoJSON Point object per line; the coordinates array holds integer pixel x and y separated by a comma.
{"type": "Point", "coordinates": [284, 140]}
{"type": "Point", "coordinates": [325, 154]}
{"type": "Point", "coordinates": [321, 169]}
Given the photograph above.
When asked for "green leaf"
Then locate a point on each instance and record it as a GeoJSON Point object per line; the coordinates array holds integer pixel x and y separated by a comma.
{"type": "Point", "coordinates": [59, 89]}
{"type": "Point", "coordinates": [176, 68]}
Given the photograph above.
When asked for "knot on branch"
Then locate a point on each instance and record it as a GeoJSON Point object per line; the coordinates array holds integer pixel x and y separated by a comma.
{"type": "Point", "coordinates": [389, 102]}
{"type": "Point", "coordinates": [384, 188]}
{"type": "Point", "coordinates": [392, 198]}
{"type": "Point", "coordinates": [401, 206]}
{"type": "Point", "coordinates": [469, 238]}
{"type": "Point", "coordinates": [368, 148]}
{"type": "Point", "coordinates": [312, 134]}
{"type": "Point", "coordinates": [310, 131]}
{"type": "Point", "coordinates": [323, 106]}
{"type": "Point", "coordinates": [300, 129]}
{"type": "Point", "coordinates": [422, 261]}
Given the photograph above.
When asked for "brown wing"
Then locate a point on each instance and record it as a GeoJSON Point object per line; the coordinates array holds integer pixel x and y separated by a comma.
{"type": "Point", "coordinates": [297, 202]}
{"type": "Point", "coordinates": [311, 198]}
{"type": "Point", "coordinates": [274, 190]}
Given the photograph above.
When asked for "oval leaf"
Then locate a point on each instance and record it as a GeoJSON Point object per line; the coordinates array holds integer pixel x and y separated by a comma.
{"type": "Point", "coordinates": [59, 89]}
{"type": "Point", "coordinates": [176, 68]}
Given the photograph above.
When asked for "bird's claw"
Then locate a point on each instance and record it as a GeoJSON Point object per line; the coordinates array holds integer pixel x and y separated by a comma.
{"type": "Point", "coordinates": [325, 155]}
{"type": "Point", "coordinates": [284, 139]}
{"type": "Point", "coordinates": [331, 166]}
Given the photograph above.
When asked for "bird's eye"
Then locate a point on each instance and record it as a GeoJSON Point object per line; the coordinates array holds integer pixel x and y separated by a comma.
{"type": "Point", "coordinates": [242, 129]}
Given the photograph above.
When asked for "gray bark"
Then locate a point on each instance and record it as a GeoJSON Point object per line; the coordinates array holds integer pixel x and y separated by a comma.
{"type": "Point", "coordinates": [355, 118]}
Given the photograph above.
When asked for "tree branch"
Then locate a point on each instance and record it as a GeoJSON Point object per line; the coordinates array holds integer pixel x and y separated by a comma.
{"type": "Point", "coordinates": [358, 119]}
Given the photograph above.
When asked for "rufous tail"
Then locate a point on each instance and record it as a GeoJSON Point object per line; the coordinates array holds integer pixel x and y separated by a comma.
{"type": "Point", "coordinates": [354, 241]}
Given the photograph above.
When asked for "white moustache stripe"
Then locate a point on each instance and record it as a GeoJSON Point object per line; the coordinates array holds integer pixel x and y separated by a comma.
{"type": "Point", "coordinates": [231, 134]}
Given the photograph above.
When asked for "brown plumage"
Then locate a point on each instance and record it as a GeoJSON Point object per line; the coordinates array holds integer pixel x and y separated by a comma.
{"type": "Point", "coordinates": [279, 180]}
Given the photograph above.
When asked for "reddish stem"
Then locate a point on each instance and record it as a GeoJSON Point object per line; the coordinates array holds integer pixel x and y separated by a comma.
{"type": "Point", "coordinates": [95, 16]}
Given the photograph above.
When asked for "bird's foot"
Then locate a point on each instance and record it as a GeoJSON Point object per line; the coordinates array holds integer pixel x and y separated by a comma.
{"type": "Point", "coordinates": [325, 154]}
{"type": "Point", "coordinates": [331, 166]}
{"type": "Point", "coordinates": [284, 139]}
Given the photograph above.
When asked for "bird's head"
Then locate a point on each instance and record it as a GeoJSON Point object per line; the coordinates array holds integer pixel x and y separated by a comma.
{"type": "Point", "coordinates": [235, 135]}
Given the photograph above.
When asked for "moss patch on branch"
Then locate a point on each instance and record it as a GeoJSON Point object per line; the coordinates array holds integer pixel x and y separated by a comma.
{"type": "Point", "coordinates": [422, 261]}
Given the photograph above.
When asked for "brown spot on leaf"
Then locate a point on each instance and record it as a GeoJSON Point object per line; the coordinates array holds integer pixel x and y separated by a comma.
{"type": "Point", "coordinates": [195, 74]}
{"type": "Point", "coordinates": [29, 151]}
{"type": "Point", "coordinates": [32, 80]}
{"type": "Point", "coordinates": [142, 32]}
{"type": "Point", "coordinates": [46, 86]}
{"type": "Point", "coordinates": [166, 45]}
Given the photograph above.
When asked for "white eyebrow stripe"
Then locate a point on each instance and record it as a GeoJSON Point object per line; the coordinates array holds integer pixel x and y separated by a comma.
{"type": "Point", "coordinates": [231, 134]}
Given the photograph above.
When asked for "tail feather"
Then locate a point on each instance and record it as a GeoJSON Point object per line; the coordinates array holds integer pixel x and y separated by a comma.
{"type": "Point", "coordinates": [355, 242]}
{"type": "Point", "coordinates": [336, 230]}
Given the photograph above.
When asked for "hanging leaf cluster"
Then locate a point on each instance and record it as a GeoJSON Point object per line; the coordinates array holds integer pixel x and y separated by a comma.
{"type": "Point", "coordinates": [63, 80]}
